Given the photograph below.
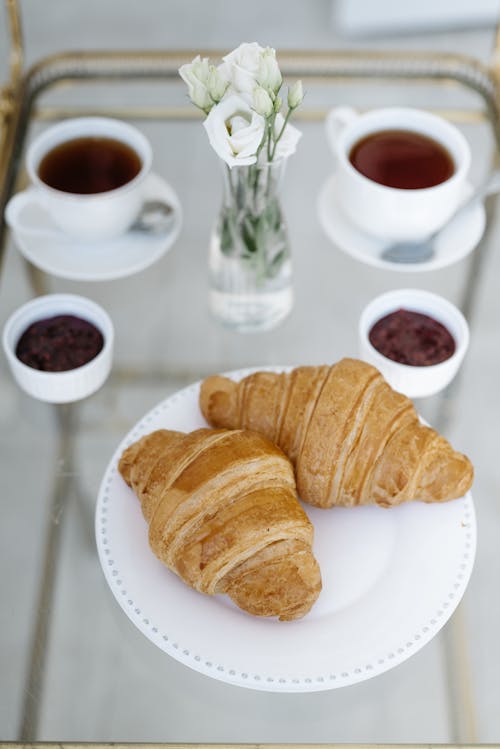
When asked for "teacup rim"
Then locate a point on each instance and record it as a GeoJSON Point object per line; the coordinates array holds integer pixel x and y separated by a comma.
{"type": "Point", "coordinates": [458, 175]}
{"type": "Point", "coordinates": [145, 169]}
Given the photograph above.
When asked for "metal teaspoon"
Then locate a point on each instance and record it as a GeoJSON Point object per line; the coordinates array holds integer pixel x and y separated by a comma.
{"type": "Point", "coordinates": [155, 217]}
{"type": "Point", "coordinates": [422, 250]}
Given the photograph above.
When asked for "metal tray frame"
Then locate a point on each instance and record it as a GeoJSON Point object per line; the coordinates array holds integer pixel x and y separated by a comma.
{"type": "Point", "coordinates": [19, 106]}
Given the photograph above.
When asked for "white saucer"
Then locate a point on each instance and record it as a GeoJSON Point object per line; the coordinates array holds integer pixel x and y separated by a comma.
{"type": "Point", "coordinates": [65, 257]}
{"type": "Point", "coordinates": [459, 238]}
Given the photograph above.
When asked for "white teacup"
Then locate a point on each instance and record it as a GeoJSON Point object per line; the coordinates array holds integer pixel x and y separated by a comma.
{"type": "Point", "coordinates": [388, 212]}
{"type": "Point", "coordinates": [96, 216]}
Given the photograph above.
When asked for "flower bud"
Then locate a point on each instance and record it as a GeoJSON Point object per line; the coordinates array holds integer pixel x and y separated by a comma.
{"type": "Point", "coordinates": [199, 95]}
{"type": "Point", "coordinates": [197, 70]}
{"type": "Point", "coordinates": [216, 84]}
{"type": "Point", "coordinates": [196, 75]}
{"type": "Point", "coordinates": [295, 95]}
{"type": "Point", "coordinates": [278, 104]}
{"type": "Point", "coordinates": [269, 74]}
{"type": "Point", "coordinates": [262, 102]}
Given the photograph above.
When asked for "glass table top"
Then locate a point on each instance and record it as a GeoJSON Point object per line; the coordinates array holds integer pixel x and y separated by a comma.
{"type": "Point", "coordinates": [74, 668]}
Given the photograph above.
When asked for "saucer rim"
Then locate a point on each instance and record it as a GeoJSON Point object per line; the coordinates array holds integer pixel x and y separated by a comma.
{"type": "Point", "coordinates": [438, 262]}
{"type": "Point", "coordinates": [160, 244]}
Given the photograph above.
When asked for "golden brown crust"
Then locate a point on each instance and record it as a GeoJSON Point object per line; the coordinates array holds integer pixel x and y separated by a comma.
{"type": "Point", "coordinates": [281, 577]}
{"type": "Point", "coordinates": [351, 438]}
{"type": "Point", "coordinates": [222, 512]}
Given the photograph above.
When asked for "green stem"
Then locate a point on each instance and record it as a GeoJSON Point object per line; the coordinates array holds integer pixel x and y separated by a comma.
{"type": "Point", "coordinates": [268, 181]}
{"type": "Point", "coordinates": [281, 132]}
{"type": "Point", "coordinates": [256, 175]}
{"type": "Point", "coordinates": [261, 144]}
{"type": "Point", "coordinates": [231, 186]}
{"type": "Point", "coordinates": [269, 131]}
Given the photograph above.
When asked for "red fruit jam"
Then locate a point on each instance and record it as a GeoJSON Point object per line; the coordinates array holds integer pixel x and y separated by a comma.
{"type": "Point", "coordinates": [412, 338]}
{"type": "Point", "coordinates": [60, 343]}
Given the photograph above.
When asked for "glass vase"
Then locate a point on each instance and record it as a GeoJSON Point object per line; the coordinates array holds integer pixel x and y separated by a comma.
{"type": "Point", "coordinates": [249, 259]}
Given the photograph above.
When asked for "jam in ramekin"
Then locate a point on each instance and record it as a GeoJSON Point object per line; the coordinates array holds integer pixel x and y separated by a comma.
{"type": "Point", "coordinates": [60, 343]}
{"type": "Point", "coordinates": [412, 338]}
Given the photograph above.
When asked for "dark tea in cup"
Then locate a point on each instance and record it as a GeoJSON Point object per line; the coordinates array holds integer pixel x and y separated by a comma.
{"type": "Point", "coordinates": [89, 165]}
{"type": "Point", "coordinates": [89, 175]}
{"type": "Point", "coordinates": [385, 159]}
{"type": "Point", "coordinates": [403, 159]}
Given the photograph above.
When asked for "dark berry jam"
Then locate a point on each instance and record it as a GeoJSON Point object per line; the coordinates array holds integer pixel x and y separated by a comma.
{"type": "Point", "coordinates": [59, 343]}
{"type": "Point", "coordinates": [412, 338]}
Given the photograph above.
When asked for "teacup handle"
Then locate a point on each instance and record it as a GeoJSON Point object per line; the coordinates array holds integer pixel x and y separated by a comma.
{"type": "Point", "coordinates": [336, 121]}
{"type": "Point", "coordinates": [15, 207]}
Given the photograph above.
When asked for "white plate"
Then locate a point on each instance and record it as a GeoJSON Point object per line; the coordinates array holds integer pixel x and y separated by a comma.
{"type": "Point", "coordinates": [391, 579]}
{"type": "Point", "coordinates": [460, 237]}
{"type": "Point", "coordinates": [68, 258]}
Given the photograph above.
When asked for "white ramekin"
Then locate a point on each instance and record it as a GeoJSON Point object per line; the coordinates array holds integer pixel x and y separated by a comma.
{"type": "Point", "coordinates": [414, 381]}
{"type": "Point", "coordinates": [59, 387]}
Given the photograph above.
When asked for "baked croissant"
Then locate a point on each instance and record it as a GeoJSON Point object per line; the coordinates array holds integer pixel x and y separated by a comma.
{"type": "Point", "coordinates": [224, 516]}
{"type": "Point", "coordinates": [351, 438]}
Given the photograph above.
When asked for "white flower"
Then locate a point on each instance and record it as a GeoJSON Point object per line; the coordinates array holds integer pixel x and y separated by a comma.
{"type": "Point", "coordinates": [241, 68]}
{"type": "Point", "coordinates": [235, 131]}
{"type": "Point", "coordinates": [269, 74]}
{"type": "Point", "coordinates": [196, 75]}
{"type": "Point", "coordinates": [295, 95]}
{"type": "Point", "coordinates": [287, 144]}
{"type": "Point", "coordinates": [240, 98]}
{"type": "Point", "coordinates": [262, 102]}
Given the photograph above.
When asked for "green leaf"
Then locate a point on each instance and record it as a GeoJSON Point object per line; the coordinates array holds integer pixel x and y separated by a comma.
{"type": "Point", "coordinates": [276, 263]}
{"type": "Point", "coordinates": [248, 234]}
{"type": "Point", "coordinates": [226, 236]}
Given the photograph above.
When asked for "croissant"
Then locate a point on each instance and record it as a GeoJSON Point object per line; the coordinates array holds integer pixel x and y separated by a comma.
{"type": "Point", "coordinates": [224, 516]}
{"type": "Point", "coordinates": [351, 438]}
